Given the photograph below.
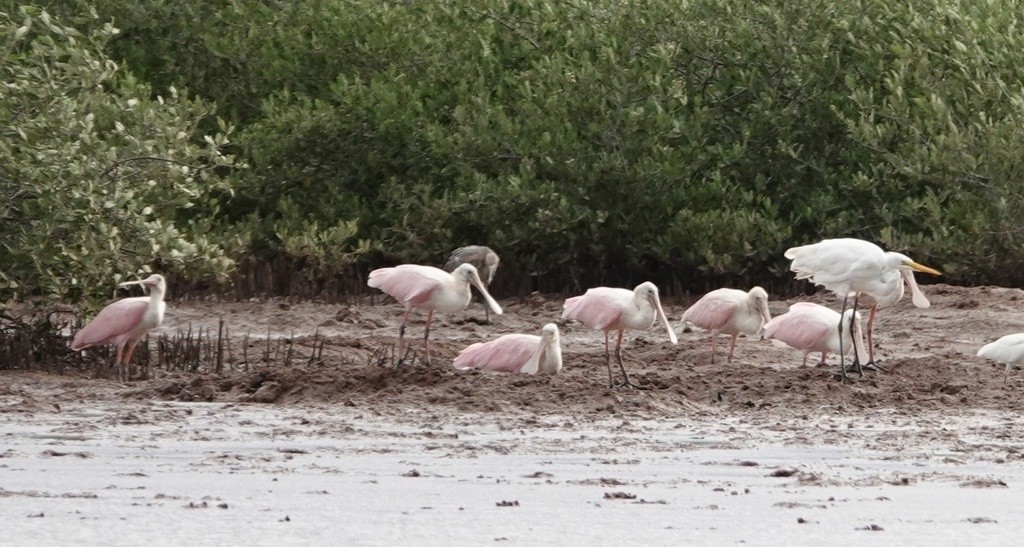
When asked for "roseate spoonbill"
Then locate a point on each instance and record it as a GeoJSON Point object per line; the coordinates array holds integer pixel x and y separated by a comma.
{"type": "Point", "coordinates": [854, 267]}
{"type": "Point", "coordinates": [428, 288]}
{"type": "Point", "coordinates": [483, 258]}
{"type": "Point", "coordinates": [1008, 349]}
{"type": "Point", "coordinates": [524, 353]}
{"type": "Point", "coordinates": [125, 322]}
{"type": "Point", "coordinates": [729, 311]}
{"type": "Point", "coordinates": [608, 309]}
{"type": "Point", "coordinates": [812, 328]}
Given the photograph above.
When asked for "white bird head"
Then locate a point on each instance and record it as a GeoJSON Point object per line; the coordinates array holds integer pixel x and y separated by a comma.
{"type": "Point", "coordinates": [154, 282]}
{"type": "Point", "coordinates": [759, 297]}
{"type": "Point", "coordinates": [466, 273]}
{"type": "Point", "coordinates": [907, 267]}
{"type": "Point", "coordinates": [648, 292]}
{"type": "Point", "coordinates": [904, 262]}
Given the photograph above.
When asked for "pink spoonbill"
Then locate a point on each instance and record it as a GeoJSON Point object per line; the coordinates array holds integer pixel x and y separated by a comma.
{"type": "Point", "coordinates": [729, 311]}
{"type": "Point", "coordinates": [853, 267]}
{"type": "Point", "coordinates": [483, 258]}
{"type": "Point", "coordinates": [812, 328]}
{"type": "Point", "coordinates": [125, 322]}
{"type": "Point", "coordinates": [609, 309]}
{"type": "Point", "coordinates": [428, 288]}
{"type": "Point", "coordinates": [524, 353]}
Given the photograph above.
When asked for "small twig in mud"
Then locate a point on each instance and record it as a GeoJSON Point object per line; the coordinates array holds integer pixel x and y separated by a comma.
{"type": "Point", "coordinates": [220, 345]}
{"type": "Point", "coordinates": [291, 348]}
{"type": "Point", "coordinates": [245, 352]}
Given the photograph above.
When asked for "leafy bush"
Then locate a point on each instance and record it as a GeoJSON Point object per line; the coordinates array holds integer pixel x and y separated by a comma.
{"type": "Point", "coordinates": [98, 181]}
{"type": "Point", "coordinates": [594, 142]}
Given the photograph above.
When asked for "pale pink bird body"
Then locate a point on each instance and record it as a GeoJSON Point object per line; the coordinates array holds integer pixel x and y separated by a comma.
{"type": "Point", "coordinates": [523, 353]}
{"type": "Point", "coordinates": [429, 288]}
{"type": "Point", "coordinates": [609, 309]}
{"type": "Point", "coordinates": [125, 322]}
{"type": "Point", "coordinates": [811, 328]}
{"type": "Point", "coordinates": [731, 312]}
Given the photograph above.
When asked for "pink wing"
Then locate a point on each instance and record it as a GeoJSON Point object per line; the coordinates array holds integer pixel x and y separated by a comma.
{"type": "Point", "coordinates": [507, 353]}
{"type": "Point", "coordinates": [712, 312]}
{"type": "Point", "coordinates": [800, 329]}
{"type": "Point", "coordinates": [114, 320]}
{"type": "Point", "coordinates": [408, 283]}
{"type": "Point", "coordinates": [600, 307]}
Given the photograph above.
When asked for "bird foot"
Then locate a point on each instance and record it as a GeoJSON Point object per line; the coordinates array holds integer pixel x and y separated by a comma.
{"type": "Point", "coordinates": [630, 385]}
{"type": "Point", "coordinates": [873, 366]}
{"type": "Point", "coordinates": [842, 377]}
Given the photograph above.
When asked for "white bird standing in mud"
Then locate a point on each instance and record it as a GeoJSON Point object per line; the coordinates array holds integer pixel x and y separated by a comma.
{"type": "Point", "coordinates": [483, 259]}
{"type": "Point", "coordinates": [852, 268]}
{"type": "Point", "coordinates": [609, 309]}
{"type": "Point", "coordinates": [1008, 349]}
{"type": "Point", "coordinates": [812, 328]}
{"type": "Point", "coordinates": [731, 312]}
{"type": "Point", "coordinates": [428, 288]}
{"type": "Point", "coordinates": [523, 353]}
{"type": "Point", "coordinates": [125, 322]}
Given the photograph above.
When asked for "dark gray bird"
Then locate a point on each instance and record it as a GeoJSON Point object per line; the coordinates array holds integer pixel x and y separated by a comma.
{"type": "Point", "coordinates": [483, 258]}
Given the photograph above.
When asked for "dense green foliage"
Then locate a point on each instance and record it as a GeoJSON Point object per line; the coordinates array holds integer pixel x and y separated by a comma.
{"type": "Point", "coordinates": [100, 179]}
{"type": "Point", "coordinates": [587, 141]}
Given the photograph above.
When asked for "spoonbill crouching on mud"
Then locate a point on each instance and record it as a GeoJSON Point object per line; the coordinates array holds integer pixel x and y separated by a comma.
{"type": "Point", "coordinates": [125, 322]}
{"type": "Point", "coordinates": [525, 353]}
{"type": "Point", "coordinates": [855, 268]}
{"type": "Point", "coordinates": [729, 311]}
{"type": "Point", "coordinates": [428, 288]}
{"type": "Point", "coordinates": [607, 309]}
{"type": "Point", "coordinates": [812, 328]}
{"type": "Point", "coordinates": [483, 258]}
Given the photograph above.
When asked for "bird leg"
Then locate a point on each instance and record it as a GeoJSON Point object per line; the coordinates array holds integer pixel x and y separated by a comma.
{"type": "Point", "coordinates": [842, 354]}
{"type": "Point", "coordinates": [714, 338]}
{"type": "Point", "coordinates": [125, 369]}
{"type": "Point", "coordinates": [426, 336]}
{"type": "Point", "coordinates": [871, 344]}
{"type": "Point", "coordinates": [618, 355]}
{"type": "Point", "coordinates": [732, 347]}
{"type": "Point", "coordinates": [608, 361]}
{"type": "Point", "coordinates": [400, 352]}
{"type": "Point", "coordinates": [117, 361]}
{"type": "Point", "coordinates": [856, 358]}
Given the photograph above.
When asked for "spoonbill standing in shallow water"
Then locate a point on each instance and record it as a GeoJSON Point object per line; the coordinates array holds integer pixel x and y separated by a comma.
{"type": "Point", "coordinates": [125, 322]}
{"type": "Point", "coordinates": [812, 328]}
{"type": "Point", "coordinates": [428, 288]}
{"type": "Point", "coordinates": [1008, 349]}
{"type": "Point", "coordinates": [483, 258]}
{"type": "Point", "coordinates": [729, 311]}
{"type": "Point", "coordinates": [608, 309]}
{"type": "Point", "coordinates": [853, 267]}
{"type": "Point", "coordinates": [524, 353]}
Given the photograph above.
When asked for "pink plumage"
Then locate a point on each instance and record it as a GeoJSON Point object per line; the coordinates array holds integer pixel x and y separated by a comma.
{"type": "Point", "coordinates": [125, 322]}
{"type": "Point", "coordinates": [431, 289]}
{"type": "Point", "coordinates": [813, 328]}
{"type": "Point", "coordinates": [805, 327]}
{"type": "Point", "coordinates": [524, 353]}
{"type": "Point", "coordinates": [600, 308]}
{"type": "Point", "coordinates": [729, 311]}
{"type": "Point", "coordinates": [610, 309]}
{"type": "Point", "coordinates": [115, 321]}
{"type": "Point", "coordinates": [410, 284]}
